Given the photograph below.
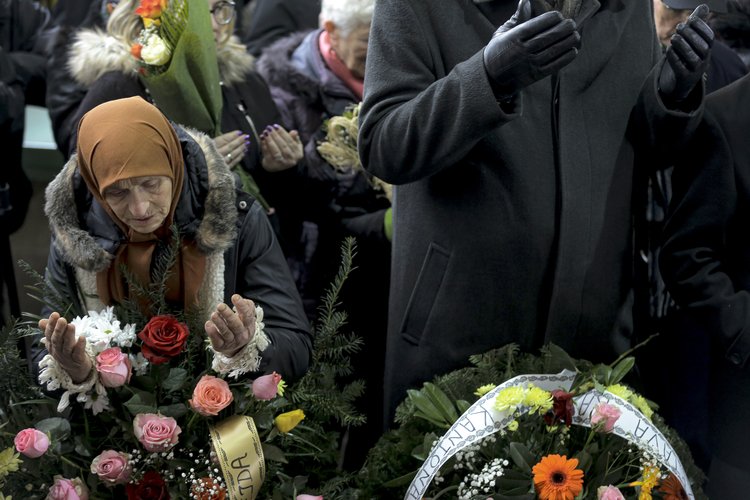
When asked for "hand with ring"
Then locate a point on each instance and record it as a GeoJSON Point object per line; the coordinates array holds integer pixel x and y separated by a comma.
{"type": "Point", "coordinates": [232, 146]}
{"type": "Point", "coordinates": [280, 149]}
{"type": "Point", "coordinates": [69, 352]}
{"type": "Point", "coordinates": [230, 330]}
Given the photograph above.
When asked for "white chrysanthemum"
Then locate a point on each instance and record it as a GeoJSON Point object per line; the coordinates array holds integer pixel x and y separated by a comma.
{"type": "Point", "coordinates": [103, 330]}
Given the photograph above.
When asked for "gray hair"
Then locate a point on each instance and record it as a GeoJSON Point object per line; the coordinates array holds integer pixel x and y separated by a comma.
{"type": "Point", "coordinates": [347, 15]}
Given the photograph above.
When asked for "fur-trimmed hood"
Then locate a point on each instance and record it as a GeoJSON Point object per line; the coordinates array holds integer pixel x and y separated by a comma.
{"type": "Point", "coordinates": [94, 53]}
{"type": "Point", "coordinates": [87, 238]}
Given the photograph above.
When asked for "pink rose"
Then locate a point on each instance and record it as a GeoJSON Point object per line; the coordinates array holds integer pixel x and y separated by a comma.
{"type": "Point", "coordinates": [609, 493]}
{"type": "Point", "coordinates": [112, 467]}
{"type": "Point", "coordinates": [155, 432]}
{"type": "Point", "coordinates": [309, 497]}
{"type": "Point", "coordinates": [607, 415]}
{"type": "Point", "coordinates": [114, 367]}
{"type": "Point", "coordinates": [266, 387]}
{"type": "Point", "coordinates": [210, 396]}
{"type": "Point", "coordinates": [68, 489]}
{"type": "Point", "coordinates": [32, 443]}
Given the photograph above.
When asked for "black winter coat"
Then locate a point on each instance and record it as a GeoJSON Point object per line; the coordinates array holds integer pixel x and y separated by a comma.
{"type": "Point", "coordinates": [275, 19]}
{"type": "Point", "coordinates": [705, 262]}
{"type": "Point", "coordinates": [511, 223]}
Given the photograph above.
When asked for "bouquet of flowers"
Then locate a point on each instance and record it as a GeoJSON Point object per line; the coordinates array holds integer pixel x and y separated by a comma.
{"type": "Point", "coordinates": [556, 429]}
{"type": "Point", "coordinates": [339, 148]}
{"type": "Point", "coordinates": [154, 421]}
{"type": "Point", "coordinates": [177, 55]}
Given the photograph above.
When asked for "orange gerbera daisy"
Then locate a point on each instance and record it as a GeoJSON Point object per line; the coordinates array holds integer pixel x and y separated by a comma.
{"type": "Point", "coordinates": [672, 489]}
{"type": "Point", "coordinates": [556, 478]}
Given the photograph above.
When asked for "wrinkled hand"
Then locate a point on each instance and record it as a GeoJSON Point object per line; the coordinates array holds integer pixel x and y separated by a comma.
{"type": "Point", "coordinates": [280, 149]}
{"type": "Point", "coordinates": [232, 146]}
{"type": "Point", "coordinates": [230, 331]}
{"type": "Point", "coordinates": [523, 51]}
{"type": "Point", "coordinates": [69, 353]}
{"type": "Point", "coordinates": [687, 56]}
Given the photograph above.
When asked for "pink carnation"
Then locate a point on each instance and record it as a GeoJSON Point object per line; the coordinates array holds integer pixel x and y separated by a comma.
{"type": "Point", "coordinates": [68, 489]}
{"type": "Point", "coordinates": [155, 432]}
{"type": "Point", "coordinates": [112, 467]}
{"type": "Point", "coordinates": [114, 367]}
{"type": "Point", "coordinates": [266, 387]}
{"type": "Point", "coordinates": [32, 443]}
{"type": "Point", "coordinates": [607, 415]}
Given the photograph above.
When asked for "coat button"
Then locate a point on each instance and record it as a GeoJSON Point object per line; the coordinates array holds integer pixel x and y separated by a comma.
{"type": "Point", "coordinates": [243, 205]}
{"type": "Point", "coordinates": [735, 359]}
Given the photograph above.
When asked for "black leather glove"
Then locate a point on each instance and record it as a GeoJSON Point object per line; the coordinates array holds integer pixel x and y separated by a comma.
{"type": "Point", "coordinates": [687, 56]}
{"type": "Point", "coordinates": [525, 50]}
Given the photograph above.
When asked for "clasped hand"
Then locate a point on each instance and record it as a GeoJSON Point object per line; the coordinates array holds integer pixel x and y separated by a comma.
{"type": "Point", "coordinates": [69, 352]}
{"type": "Point", "coordinates": [687, 56]}
{"type": "Point", "coordinates": [230, 331]}
{"type": "Point", "coordinates": [523, 51]}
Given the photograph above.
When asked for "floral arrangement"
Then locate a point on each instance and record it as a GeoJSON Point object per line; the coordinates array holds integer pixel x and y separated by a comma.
{"type": "Point", "coordinates": [339, 148]}
{"type": "Point", "coordinates": [177, 58]}
{"type": "Point", "coordinates": [557, 435]}
{"type": "Point", "coordinates": [164, 22]}
{"type": "Point", "coordinates": [155, 421]}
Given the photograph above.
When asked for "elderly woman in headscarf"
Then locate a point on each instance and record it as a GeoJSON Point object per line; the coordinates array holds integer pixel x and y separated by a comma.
{"type": "Point", "coordinates": [112, 210]}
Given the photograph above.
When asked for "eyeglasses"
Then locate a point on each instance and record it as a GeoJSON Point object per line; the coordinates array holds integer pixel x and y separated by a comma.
{"type": "Point", "coordinates": [223, 11]}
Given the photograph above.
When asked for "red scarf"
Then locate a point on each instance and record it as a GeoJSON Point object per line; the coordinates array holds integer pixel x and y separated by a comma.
{"type": "Point", "coordinates": [356, 85]}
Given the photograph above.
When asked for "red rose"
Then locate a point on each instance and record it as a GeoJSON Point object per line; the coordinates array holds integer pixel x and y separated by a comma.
{"type": "Point", "coordinates": [150, 487]}
{"type": "Point", "coordinates": [562, 409]}
{"type": "Point", "coordinates": [163, 338]}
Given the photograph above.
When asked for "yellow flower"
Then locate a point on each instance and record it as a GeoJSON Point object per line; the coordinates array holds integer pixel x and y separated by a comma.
{"type": "Point", "coordinates": [510, 398]}
{"type": "Point", "coordinates": [620, 391]}
{"type": "Point", "coordinates": [641, 403]}
{"type": "Point", "coordinates": [538, 400]}
{"type": "Point", "coordinates": [281, 387]}
{"type": "Point", "coordinates": [513, 426]}
{"type": "Point", "coordinates": [648, 482]}
{"type": "Point", "coordinates": [9, 462]}
{"type": "Point", "coordinates": [481, 391]}
{"type": "Point", "coordinates": [289, 420]}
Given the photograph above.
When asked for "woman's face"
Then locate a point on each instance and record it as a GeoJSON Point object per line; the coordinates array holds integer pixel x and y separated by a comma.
{"type": "Point", "coordinates": [351, 49]}
{"type": "Point", "coordinates": [141, 203]}
{"type": "Point", "coordinates": [222, 19]}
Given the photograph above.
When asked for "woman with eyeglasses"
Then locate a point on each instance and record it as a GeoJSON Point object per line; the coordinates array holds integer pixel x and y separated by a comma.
{"type": "Point", "coordinates": [252, 137]}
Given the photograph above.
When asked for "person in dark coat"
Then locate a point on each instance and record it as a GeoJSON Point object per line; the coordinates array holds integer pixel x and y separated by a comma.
{"type": "Point", "coordinates": [133, 178]}
{"type": "Point", "coordinates": [24, 28]}
{"type": "Point", "coordinates": [705, 262]}
{"type": "Point", "coordinates": [275, 19]}
{"type": "Point", "coordinates": [513, 182]}
{"type": "Point", "coordinates": [315, 76]}
{"type": "Point", "coordinates": [64, 93]}
{"type": "Point", "coordinates": [254, 138]}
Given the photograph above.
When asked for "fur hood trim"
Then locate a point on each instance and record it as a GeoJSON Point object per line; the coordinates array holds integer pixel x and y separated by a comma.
{"type": "Point", "coordinates": [94, 53]}
{"type": "Point", "coordinates": [216, 232]}
{"type": "Point", "coordinates": [234, 61]}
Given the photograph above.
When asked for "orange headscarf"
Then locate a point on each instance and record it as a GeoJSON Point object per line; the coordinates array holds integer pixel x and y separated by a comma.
{"type": "Point", "coordinates": [129, 138]}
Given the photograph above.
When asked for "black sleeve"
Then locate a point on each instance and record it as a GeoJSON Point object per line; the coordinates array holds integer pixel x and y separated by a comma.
{"type": "Point", "coordinates": [262, 275]}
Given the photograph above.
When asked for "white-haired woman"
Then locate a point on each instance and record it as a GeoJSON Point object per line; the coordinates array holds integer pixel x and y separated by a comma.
{"type": "Point", "coordinates": [314, 76]}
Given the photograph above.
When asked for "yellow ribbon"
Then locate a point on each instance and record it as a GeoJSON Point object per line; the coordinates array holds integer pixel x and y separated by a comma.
{"type": "Point", "coordinates": [240, 452]}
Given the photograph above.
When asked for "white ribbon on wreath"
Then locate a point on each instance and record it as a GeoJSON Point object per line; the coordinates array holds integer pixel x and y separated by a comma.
{"type": "Point", "coordinates": [482, 420]}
